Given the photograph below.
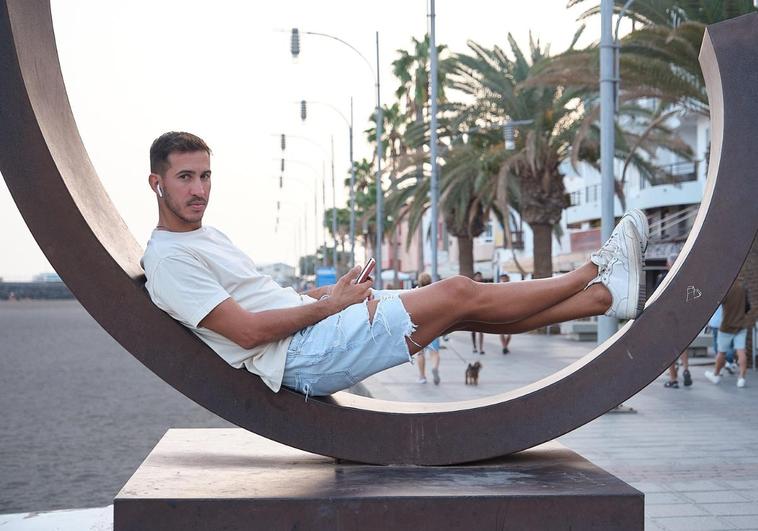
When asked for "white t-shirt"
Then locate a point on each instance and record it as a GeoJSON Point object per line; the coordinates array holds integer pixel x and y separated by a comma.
{"type": "Point", "coordinates": [190, 273]}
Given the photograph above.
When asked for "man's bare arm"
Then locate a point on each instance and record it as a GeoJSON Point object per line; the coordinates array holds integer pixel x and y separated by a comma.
{"type": "Point", "coordinates": [317, 293]}
{"type": "Point", "coordinates": [251, 329]}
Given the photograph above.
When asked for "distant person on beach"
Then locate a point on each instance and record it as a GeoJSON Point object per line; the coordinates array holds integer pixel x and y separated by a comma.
{"type": "Point", "coordinates": [327, 339]}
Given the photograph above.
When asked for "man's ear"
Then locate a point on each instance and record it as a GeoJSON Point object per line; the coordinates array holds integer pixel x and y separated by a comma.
{"type": "Point", "coordinates": [154, 181]}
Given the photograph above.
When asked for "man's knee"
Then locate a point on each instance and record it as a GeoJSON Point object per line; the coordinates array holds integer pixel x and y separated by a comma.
{"type": "Point", "coordinates": [459, 288]}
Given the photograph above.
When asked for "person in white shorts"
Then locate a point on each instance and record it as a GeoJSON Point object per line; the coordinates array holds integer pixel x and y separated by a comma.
{"type": "Point", "coordinates": [324, 340]}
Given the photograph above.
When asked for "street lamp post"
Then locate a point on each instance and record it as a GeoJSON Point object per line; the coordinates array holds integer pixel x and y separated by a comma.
{"type": "Point", "coordinates": [334, 210]}
{"type": "Point", "coordinates": [323, 194]}
{"type": "Point", "coordinates": [315, 208]}
{"type": "Point", "coordinates": [303, 116]}
{"type": "Point", "coordinates": [607, 326]}
{"type": "Point", "coordinates": [334, 197]}
{"type": "Point", "coordinates": [434, 188]}
{"type": "Point", "coordinates": [295, 50]}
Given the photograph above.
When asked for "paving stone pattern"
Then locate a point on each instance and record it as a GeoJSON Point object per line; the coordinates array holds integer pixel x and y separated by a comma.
{"type": "Point", "coordinates": [692, 451]}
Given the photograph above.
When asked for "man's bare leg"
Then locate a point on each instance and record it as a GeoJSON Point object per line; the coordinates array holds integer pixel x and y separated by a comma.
{"type": "Point", "coordinates": [742, 358]}
{"type": "Point", "coordinates": [448, 303]}
{"type": "Point", "coordinates": [595, 300]}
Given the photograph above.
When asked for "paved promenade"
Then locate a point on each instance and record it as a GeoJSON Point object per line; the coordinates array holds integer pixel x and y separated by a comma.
{"type": "Point", "coordinates": [80, 414]}
{"type": "Point", "coordinates": [692, 451]}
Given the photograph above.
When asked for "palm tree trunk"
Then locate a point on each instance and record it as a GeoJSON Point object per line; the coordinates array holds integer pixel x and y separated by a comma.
{"type": "Point", "coordinates": [543, 249]}
{"type": "Point", "coordinates": [466, 256]}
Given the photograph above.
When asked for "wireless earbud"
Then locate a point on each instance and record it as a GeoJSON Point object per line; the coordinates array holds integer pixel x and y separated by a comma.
{"type": "Point", "coordinates": [158, 189]}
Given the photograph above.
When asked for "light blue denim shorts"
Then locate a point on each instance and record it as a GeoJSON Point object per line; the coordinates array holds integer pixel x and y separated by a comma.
{"type": "Point", "coordinates": [727, 341]}
{"type": "Point", "coordinates": [345, 348]}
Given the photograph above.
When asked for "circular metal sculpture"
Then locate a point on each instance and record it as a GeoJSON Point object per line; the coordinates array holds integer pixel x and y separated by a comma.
{"type": "Point", "coordinates": [64, 204]}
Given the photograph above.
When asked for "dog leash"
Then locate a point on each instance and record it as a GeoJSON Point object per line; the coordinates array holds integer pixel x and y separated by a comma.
{"type": "Point", "coordinates": [455, 351]}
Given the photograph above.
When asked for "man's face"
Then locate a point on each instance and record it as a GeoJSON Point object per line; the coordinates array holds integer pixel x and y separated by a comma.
{"type": "Point", "coordinates": [187, 187]}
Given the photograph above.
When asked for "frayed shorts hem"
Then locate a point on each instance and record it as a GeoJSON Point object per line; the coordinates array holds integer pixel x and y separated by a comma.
{"type": "Point", "coordinates": [344, 349]}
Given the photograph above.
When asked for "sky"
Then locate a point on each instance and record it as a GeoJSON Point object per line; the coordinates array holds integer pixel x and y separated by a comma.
{"type": "Point", "coordinates": [223, 71]}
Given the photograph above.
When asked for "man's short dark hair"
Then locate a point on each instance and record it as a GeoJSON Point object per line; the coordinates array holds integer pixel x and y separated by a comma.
{"type": "Point", "coordinates": [173, 142]}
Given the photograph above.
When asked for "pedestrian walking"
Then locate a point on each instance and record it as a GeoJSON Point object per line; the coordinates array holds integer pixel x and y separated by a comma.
{"type": "Point", "coordinates": [733, 332]}
{"type": "Point", "coordinates": [684, 358]}
{"type": "Point", "coordinates": [713, 324]}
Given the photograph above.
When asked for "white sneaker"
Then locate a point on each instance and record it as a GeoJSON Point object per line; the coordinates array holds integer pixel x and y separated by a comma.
{"type": "Point", "coordinates": [741, 382]}
{"type": "Point", "coordinates": [731, 368]}
{"type": "Point", "coordinates": [619, 263]}
{"type": "Point", "coordinates": [421, 380]}
{"type": "Point", "coordinates": [639, 220]}
{"type": "Point", "coordinates": [713, 378]}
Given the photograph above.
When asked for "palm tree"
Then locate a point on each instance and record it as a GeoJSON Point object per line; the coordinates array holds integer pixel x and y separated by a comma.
{"type": "Point", "coordinates": [659, 59]}
{"type": "Point", "coordinates": [394, 149]}
{"type": "Point", "coordinates": [412, 69]}
{"type": "Point", "coordinates": [365, 200]}
{"type": "Point", "coordinates": [496, 82]}
{"type": "Point", "coordinates": [343, 229]}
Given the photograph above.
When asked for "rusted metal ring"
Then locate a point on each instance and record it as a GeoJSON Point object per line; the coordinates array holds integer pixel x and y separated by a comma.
{"type": "Point", "coordinates": [60, 196]}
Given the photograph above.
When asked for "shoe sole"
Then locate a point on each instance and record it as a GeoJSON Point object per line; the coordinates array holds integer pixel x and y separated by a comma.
{"type": "Point", "coordinates": [635, 255]}
{"type": "Point", "coordinates": [639, 218]}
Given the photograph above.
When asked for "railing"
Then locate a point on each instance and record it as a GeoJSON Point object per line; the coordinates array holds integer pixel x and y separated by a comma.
{"type": "Point", "coordinates": [674, 226]}
{"type": "Point", "coordinates": [676, 173]}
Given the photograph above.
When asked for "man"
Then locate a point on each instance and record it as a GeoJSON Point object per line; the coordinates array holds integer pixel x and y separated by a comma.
{"type": "Point", "coordinates": [505, 339]}
{"type": "Point", "coordinates": [329, 338]}
{"type": "Point", "coordinates": [733, 332]}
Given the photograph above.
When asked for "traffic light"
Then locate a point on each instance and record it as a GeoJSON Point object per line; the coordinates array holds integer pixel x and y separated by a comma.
{"type": "Point", "coordinates": [303, 110]}
{"type": "Point", "coordinates": [295, 43]}
{"type": "Point", "coordinates": [284, 141]}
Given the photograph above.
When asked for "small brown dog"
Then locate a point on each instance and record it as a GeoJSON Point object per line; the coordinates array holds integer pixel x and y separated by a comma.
{"type": "Point", "coordinates": [472, 373]}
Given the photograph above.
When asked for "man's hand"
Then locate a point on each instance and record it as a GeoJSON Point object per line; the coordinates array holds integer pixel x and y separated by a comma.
{"type": "Point", "coordinates": [346, 292]}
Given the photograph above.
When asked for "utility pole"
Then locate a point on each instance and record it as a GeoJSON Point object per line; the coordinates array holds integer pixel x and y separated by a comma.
{"type": "Point", "coordinates": [607, 326]}
{"type": "Point", "coordinates": [334, 211]}
{"type": "Point", "coordinates": [379, 191]}
{"type": "Point", "coordinates": [434, 189]}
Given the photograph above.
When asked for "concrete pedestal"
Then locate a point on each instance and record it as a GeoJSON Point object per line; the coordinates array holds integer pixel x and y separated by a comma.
{"type": "Point", "coordinates": [230, 479]}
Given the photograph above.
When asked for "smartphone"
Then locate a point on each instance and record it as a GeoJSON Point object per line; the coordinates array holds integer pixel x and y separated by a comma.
{"type": "Point", "coordinates": [367, 269]}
